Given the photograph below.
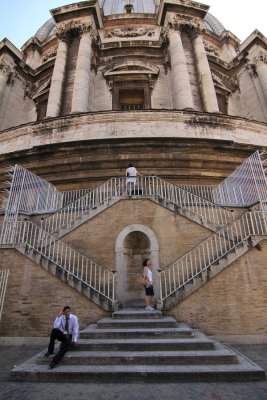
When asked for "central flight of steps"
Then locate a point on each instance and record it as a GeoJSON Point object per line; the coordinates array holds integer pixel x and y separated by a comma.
{"type": "Point", "coordinates": [136, 345]}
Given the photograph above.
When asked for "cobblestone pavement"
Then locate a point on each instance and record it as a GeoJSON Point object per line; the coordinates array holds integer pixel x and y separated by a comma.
{"type": "Point", "coordinates": [14, 355]}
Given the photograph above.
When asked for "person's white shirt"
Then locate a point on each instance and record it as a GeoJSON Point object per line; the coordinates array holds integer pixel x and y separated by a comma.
{"type": "Point", "coordinates": [73, 327]}
{"type": "Point", "coordinates": [131, 173]}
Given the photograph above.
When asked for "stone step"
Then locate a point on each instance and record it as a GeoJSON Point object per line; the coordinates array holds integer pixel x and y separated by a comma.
{"type": "Point", "coordinates": [145, 349]}
{"type": "Point", "coordinates": [125, 323]}
{"type": "Point", "coordinates": [149, 344]}
{"type": "Point", "coordinates": [205, 357]}
{"type": "Point", "coordinates": [244, 371]}
{"type": "Point", "coordinates": [134, 314]}
{"type": "Point", "coordinates": [92, 332]}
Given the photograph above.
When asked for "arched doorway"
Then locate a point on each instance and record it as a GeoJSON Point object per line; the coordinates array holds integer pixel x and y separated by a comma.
{"type": "Point", "coordinates": [133, 244]}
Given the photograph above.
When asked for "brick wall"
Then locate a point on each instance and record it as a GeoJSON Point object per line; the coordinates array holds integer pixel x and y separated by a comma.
{"type": "Point", "coordinates": [232, 303]}
{"type": "Point", "coordinates": [34, 298]}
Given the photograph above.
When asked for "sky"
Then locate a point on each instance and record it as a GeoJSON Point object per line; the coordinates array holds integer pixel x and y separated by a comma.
{"type": "Point", "coordinates": [20, 19]}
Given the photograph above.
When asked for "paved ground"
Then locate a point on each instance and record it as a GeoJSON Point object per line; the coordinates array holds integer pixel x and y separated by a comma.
{"type": "Point", "coordinates": [14, 355]}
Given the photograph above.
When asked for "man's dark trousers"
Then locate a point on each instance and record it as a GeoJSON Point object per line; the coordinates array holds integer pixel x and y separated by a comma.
{"type": "Point", "coordinates": [65, 340]}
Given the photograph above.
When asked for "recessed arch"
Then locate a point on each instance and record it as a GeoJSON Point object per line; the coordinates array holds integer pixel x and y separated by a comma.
{"type": "Point", "coordinates": [125, 276]}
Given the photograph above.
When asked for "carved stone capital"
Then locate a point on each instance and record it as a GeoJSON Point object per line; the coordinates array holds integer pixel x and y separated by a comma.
{"type": "Point", "coordinates": [180, 22]}
{"type": "Point", "coordinates": [5, 69]}
{"type": "Point", "coordinates": [261, 58]}
{"type": "Point", "coordinates": [74, 28]}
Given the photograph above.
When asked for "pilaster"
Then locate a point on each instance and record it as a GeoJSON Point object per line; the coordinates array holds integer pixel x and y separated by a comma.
{"type": "Point", "coordinates": [5, 74]}
{"type": "Point", "coordinates": [261, 70]}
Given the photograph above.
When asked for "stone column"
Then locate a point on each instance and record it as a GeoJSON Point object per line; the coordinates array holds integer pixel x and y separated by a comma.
{"type": "Point", "coordinates": [56, 88]}
{"type": "Point", "coordinates": [180, 78]}
{"type": "Point", "coordinates": [80, 96]}
{"type": "Point", "coordinates": [261, 69]}
{"type": "Point", "coordinates": [4, 73]}
{"type": "Point", "coordinates": [205, 81]}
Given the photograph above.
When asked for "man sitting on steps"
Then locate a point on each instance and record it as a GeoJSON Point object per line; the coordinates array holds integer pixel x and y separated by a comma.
{"type": "Point", "coordinates": [66, 330]}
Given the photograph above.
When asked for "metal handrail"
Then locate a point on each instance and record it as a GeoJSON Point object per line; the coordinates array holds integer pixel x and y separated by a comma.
{"type": "Point", "coordinates": [146, 186]}
{"type": "Point", "coordinates": [3, 284]}
{"type": "Point", "coordinates": [91, 274]}
{"type": "Point", "coordinates": [203, 256]}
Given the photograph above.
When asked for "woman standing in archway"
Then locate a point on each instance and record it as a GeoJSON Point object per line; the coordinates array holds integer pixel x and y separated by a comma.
{"type": "Point", "coordinates": [149, 291]}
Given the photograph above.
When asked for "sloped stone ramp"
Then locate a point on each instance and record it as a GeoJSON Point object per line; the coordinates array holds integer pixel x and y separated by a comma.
{"type": "Point", "coordinates": [135, 346]}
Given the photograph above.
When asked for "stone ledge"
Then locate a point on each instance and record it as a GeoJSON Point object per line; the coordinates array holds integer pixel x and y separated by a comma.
{"type": "Point", "coordinates": [242, 339]}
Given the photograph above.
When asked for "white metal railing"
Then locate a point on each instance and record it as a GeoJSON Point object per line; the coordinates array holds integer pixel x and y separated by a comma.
{"type": "Point", "coordinates": [146, 186]}
{"type": "Point", "coordinates": [64, 256]}
{"type": "Point", "coordinates": [205, 191]}
{"type": "Point", "coordinates": [3, 284]}
{"type": "Point", "coordinates": [68, 196]}
{"type": "Point", "coordinates": [246, 186]}
{"type": "Point", "coordinates": [29, 193]}
{"type": "Point", "coordinates": [208, 252]}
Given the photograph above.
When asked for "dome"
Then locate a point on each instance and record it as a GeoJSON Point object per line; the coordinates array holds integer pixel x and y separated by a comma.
{"type": "Point", "coordinates": [47, 29]}
{"type": "Point", "coordinates": [213, 25]}
{"type": "Point", "coordinates": [139, 6]}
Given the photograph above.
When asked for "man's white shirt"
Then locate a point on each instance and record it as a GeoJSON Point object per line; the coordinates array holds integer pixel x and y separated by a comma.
{"type": "Point", "coordinates": [73, 326]}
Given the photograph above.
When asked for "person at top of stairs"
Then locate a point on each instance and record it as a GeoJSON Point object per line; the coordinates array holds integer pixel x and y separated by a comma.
{"type": "Point", "coordinates": [148, 278]}
{"type": "Point", "coordinates": [131, 173]}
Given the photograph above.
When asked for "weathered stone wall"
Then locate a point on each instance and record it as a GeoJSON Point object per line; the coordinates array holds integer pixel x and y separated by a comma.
{"type": "Point", "coordinates": [252, 109]}
{"type": "Point", "coordinates": [15, 99]}
{"type": "Point", "coordinates": [100, 94]}
{"type": "Point", "coordinates": [234, 301]}
{"type": "Point", "coordinates": [161, 94]}
{"type": "Point", "coordinates": [34, 298]}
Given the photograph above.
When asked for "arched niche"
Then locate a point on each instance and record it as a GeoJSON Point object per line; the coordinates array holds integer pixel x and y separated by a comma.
{"type": "Point", "coordinates": [133, 244]}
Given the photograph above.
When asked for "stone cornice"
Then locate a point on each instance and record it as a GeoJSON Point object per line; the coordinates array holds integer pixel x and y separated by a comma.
{"type": "Point", "coordinates": [120, 125]}
{"type": "Point", "coordinates": [78, 10]}
{"type": "Point", "coordinates": [186, 7]}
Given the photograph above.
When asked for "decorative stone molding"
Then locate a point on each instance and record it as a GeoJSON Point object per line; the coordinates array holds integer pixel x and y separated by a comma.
{"type": "Point", "coordinates": [130, 31]}
{"type": "Point", "coordinates": [227, 83]}
{"type": "Point", "coordinates": [48, 56]}
{"type": "Point", "coordinates": [210, 49]}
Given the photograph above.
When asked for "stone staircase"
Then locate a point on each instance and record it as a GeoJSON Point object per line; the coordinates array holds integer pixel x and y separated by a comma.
{"type": "Point", "coordinates": [140, 346]}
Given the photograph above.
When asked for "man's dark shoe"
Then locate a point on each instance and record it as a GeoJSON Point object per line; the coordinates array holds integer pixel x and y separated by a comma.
{"type": "Point", "coordinates": [52, 364]}
{"type": "Point", "coordinates": [47, 354]}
